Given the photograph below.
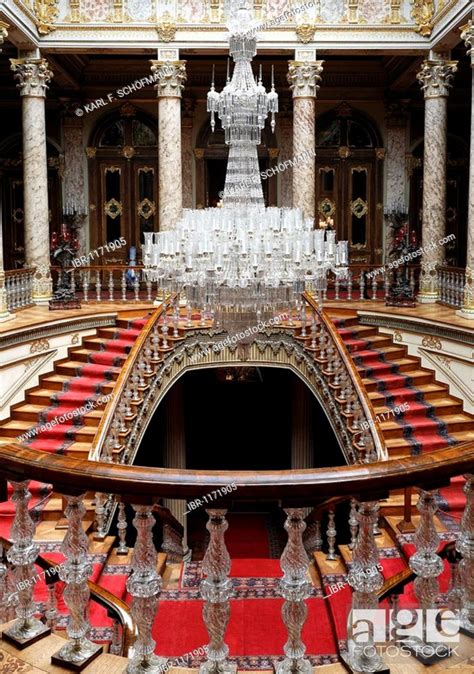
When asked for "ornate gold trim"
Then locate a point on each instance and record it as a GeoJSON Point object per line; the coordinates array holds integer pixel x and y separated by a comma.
{"type": "Point", "coordinates": [423, 13]}
{"type": "Point", "coordinates": [46, 11]}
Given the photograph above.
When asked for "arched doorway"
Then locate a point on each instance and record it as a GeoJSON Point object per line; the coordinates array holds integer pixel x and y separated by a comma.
{"type": "Point", "coordinates": [456, 196]}
{"type": "Point", "coordinates": [349, 187]}
{"type": "Point", "coordinates": [123, 171]}
{"type": "Point", "coordinates": [211, 164]}
{"type": "Point", "coordinates": [11, 185]}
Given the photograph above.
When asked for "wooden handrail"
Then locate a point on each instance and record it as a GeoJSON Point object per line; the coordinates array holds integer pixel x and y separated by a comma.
{"type": "Point", "coordinates": [121, 382]}
{"type": "Point", "coordinates": [21, 270]}
{"type": "Point", "coordinates": [445, 267]}
{"type": "Point", "coordinates": [115, 607]}
{"type": "Point", "coordinates": [359, 387]}
{"type": "Point", "coordinates": [146, 485]}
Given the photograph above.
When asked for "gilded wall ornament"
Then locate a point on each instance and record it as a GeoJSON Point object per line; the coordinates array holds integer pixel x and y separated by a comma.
{"type": "Point", "coordinates": [33, 76]}
{"type": "Point", "coordinates": [166, 29]}
{"type": "Point", "coordinates": [422, 14]}
{"type": "Point", "coordinates": [128, 151]}
{"type": "Point", "coordinates": [46, 11]}
{"type": "Point", "coordinates": [304, 78]}
{"type": "Point", "coordinates": [431, 342]}
{"type": "Point", "coordinates": [305, 32]}
{"type": "Point", "coordinates": [39, 345]}
{"type": "Point", "coordinates": [344, 152]}
{"type": "Point", "coordinates": [146, 209]}
{"type": "Point", "coordinates": [3, 31]}
{"type": "Point", "coordinates": [397, 336]}
{"type": "Point", "coordinates": [91, 152]}
{"type": "Point", "coordinates": [113, 208]}
{"type": "Point", "coordinates": [435, 77]}
{"type": "Point", "coordinates": [75, 339]}
{"type": "Point", "coordinates": [380, 153]}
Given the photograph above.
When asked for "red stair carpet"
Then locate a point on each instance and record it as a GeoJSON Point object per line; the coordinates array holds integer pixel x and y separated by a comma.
{"type": "Point", "coordinates": [421, 428]}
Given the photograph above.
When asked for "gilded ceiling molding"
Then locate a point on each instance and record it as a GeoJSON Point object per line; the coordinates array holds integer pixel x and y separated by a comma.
{"type": "Point", "coordinates": [75, 7]}
{"type": "Point", "coordinates": [3, 31]}
{"type": "Point", "coordinates": [353, 11]}
{"type": "Point", "coordinates": [46, 11]}
{"type": "Point", "coordinates": [166, 28]}
{"type": "Point", "coordinates": [215, 11]}
{"type": "Point", "coordinates": [305, 32]}
{"type": "Point", "coordinates": [422, 13]}
{"type": "Point", "coordinates": [118, 11]}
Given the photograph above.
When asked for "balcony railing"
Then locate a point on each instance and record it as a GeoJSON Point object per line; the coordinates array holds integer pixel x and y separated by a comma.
{"type": "Point", "coordinates": [451, 282]}
{"type": "Point", "coordinates": [295, 490]}
{"type": "Point", "coordinates": [19, 288]}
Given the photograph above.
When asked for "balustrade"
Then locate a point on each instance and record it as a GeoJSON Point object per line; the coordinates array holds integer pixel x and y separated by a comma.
{"type": "Point", "coordinates": [451, 282]}
{"type": "Point", "coordinates": [19, 288]}
{"type": "Point", "coordinates": [300, 488]}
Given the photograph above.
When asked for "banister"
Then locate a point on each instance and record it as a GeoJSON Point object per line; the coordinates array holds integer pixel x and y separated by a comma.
{"type": "Point", "coordinates": [359, 387]}
{"type": "Point", "coordinates": [115, 607]}
{"type": "Point", "coordinates": [301, 487]}
{"type": "Point", "coordinates": [120, 384]}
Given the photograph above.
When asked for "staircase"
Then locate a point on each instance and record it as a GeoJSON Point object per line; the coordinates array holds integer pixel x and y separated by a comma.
{"type": "Point", "coordinates": [393, 379]}
{"type": "Point", "coordinates": [54, 416]}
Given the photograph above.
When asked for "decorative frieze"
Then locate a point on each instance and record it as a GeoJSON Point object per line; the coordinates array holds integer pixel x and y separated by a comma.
{"type": "Point", "coordinates": [46, 12]}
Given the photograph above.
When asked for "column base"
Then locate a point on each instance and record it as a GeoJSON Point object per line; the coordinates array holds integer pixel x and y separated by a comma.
{"type": "Point", "coordinates": [153, 664]}
{"type": "Point", "coordinates": [42, 301]}
{"type": "Point", "coordinates": [427, 299]}
{"type": "Point", "coordinates": [467, 314]}
{"type": "Point", "coordinates": [76, 659]}
{"type": "Point", "coordinates": [23, 638]}
{"type": "Point", "coordinates": [426, 653]}
{"type": "Point", "coordinates": [6, 316]}
{"type": "Point", "coordinates": [224, 667]}
{"type": "Point", "coordinates": [289, 666]}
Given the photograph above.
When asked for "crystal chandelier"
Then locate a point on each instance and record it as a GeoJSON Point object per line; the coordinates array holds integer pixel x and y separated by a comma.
{"type": "Point", "coordinates": [243, 262]}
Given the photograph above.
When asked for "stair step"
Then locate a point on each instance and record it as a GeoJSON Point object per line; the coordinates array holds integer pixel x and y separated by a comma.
{"type": "Point", "coordinates": [58, 382]}
{"type": "Point", "coordinates": [417, 376]}
{"type": "Point", "coordinates": [430, 390]}
{"type": "Point", "coordinates": [441, 405]}
{"type": "Point", "coordinates": [71, 369]}
{"type": "Point", "coordinates": [30, 413]}
{"type": "Point", "coordinates": [454, 422]}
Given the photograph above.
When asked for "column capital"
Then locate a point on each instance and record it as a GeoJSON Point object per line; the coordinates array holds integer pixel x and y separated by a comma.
{"type": "Point", "coordinates": [170, 76]}
{"type": "Point", "coordinates": [304, 78]}
{"type": "Point", "coordinates": [3, 31]}
{"type": "Point", "coordinates": [33, 75]}
{"type": "Point", "coordinates": [435, 77]}
{"type": "Point", "coordinates": [467, 34]}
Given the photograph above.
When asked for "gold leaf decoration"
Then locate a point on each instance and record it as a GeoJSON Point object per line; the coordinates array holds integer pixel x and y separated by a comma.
{"type": "Point", "coordinates": [46, 11]}
{"type": "Point", "coordinates": [422, 13]}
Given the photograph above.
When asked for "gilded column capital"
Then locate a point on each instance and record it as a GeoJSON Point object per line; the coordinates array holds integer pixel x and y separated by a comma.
{"type": "Point", "coordinates": [33, 76]}
{"type": "Point", "coordinates": [304, 78]}
{"type": "Point", "coordinates": [3, 31]}
{"type": "Point", "coordinates": [435, 77]}
{"type": "Point", "coordinates": [467, 34]}
{"type": "Point", "coordinates": [170, 76]}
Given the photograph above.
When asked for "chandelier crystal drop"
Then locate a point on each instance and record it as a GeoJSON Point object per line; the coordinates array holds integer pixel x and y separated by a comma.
{"type": "Point", "coordinates": [243, 262]}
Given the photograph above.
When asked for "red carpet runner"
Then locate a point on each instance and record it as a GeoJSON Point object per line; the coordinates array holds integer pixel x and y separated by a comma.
{"type": "Point", "coordinates": [421, 428]}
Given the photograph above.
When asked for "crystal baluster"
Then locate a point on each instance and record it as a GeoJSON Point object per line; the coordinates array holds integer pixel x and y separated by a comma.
{"type": "Point", "coordinates": [331, 534]}
{"type": "Point", "coordinates": [98, 286]}
{"type": "Point", "coordinates": [465, 546]}
{"type": "Point", "coordinates": [313, 540]}
{"type": "Point", "coordinates": [100, 513]}
{"type": "Point", "coordinates": [361, 286]}
{"type": "Point", "coordinates": [148, 289]}
{"type": "Point", "coordinates": [349, 286]}
{"type": "Point", "coordinates": [123, 285]}
{"type": "Point", "coordinates": [136, 287]}
{"type": "Point", "coordinates": [374, 287]}
{"type": "Point", "coordinates": [22, 555]}
{"type": "Point", "coordinates": [294, 588]}
{"type": "Point", "coordinates": [425, 562]}
{"type": "Point", "coordinates": [122, 530]}
{"type": "Point", "coordinates": [111, 286]}
{"type": "Point", "coordinates": [216, 589]}
{"type": "Point", "coordinates": [51, 614]}
{"type": "Point", "coordinates": [75, 572]}
{"type": "Point", "coordinates": [85, 286]}
{"type": "Point", "coordinates": [116, 643]}
{"type": "Point", "coordinates": [144, 585]}
{"type": "Point", "coordinates": [353, 523]}
{"type": "Point", "coordinates": [366, 580]}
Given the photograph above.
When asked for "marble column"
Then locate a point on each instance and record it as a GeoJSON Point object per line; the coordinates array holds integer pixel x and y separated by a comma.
{"type": "Point", "coordinates": [187, 156]}
{"type": "Point", "coordinates": [285, 125]}
{"type": "Point", "coordinates": [468, 308]}
{"type": "Point", "coordinates": [171, 76]}
{"type": "Point", "coordinates": [435, 79]}
{"type": "Point", "coordinates": [304, 78]}
{"type": "Point", "coordinates": [175, 449]}
{"type": "Point", "coordinates": [5, 315]}
{"type": "Point", "coordinates": [33, 76]}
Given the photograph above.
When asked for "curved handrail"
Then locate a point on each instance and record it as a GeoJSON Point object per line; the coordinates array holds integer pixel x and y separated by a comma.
{"type": "Point", "coordinates": [301, 487]}
{"type": "Point", "coordinates": [359, 387]}
{"type": "Point", "coordinates": [121, 382]}
{"type": "Point", "coordinates": [116, 607]}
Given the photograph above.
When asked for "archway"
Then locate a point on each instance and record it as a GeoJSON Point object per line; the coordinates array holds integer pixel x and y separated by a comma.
{"type": "Point", "coordinates": [349, 180]}
{"type": "Point", "coordinates": [123, 170]}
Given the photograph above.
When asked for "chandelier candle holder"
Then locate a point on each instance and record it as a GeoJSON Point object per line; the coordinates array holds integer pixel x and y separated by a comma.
{"type": "Point", "coordinates": [243, 263]}
{"type": "Point", "coordinates": [64, 246]}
